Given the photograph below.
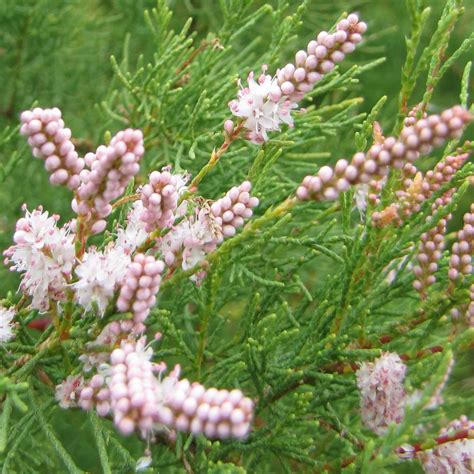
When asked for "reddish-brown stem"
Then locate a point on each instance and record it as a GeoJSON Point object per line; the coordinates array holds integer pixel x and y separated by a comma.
{"type": "Point", "coordinates": [443, 439]}
{"type": "Point", "coordinates": [204, 44]}
{"type": "Point", "coordinates": [81, 237]}
{"type": "Point", "coordinates": [413, 448]}
{"type": "Point", "coordinates": [39, 324]}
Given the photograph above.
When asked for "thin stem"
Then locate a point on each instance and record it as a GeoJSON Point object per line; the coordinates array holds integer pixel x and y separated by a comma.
{"type": "Point", "coordinates": [215, 43]}
{"type": "Point", "coordinates": [81, 237]}
{"type": "Point", "coordinates": [125, 200]}
{"type": "Point", "coordinates": [27, 363]}
{"type": "Point", "coordinates": [443, 439]}
{"type": "Point", "coordinates": [216, 155]}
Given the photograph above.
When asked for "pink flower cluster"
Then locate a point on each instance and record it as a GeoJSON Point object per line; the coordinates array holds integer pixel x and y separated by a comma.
{"type": "Point", "coordinates": [320, 58]}
{"type": "Point", "coordinates": [110, 170]}
{"type": "Point", "coordinates": [131, 387]}
{"type": "Point", "coordinates": [265, 104]}
{"type": "Point", "coordinates": [134, 397]}
{"type": "Point", "coordinates": [160, 200]}
{"type": "Point", "coordinates": [216, 413]}
{"type": "Point", "coordinates": [450, 457]}
{"type": "Point", "coordinates": [257, 105]}
{"type": "Point", "coordinates": [460, 263]}
{"type": "Point", "coordinates": [417, 190]}
{"type": "Point", "coordinates": [429, 252]}
{"type": "Point", "coordinates": [94, 393]}
{"type": "Point", "coordinates": [430, 249]}
{"type": "Point", "coordinates": [194, 237]}
{"type": "Point", "coordinates": [231, 210]}
{"type": "Point", "coordinates": [67, 393]}
{"type": "Point", "coordinates": [51, 142]}
{"type": "Point", "coordinates": [414, 140]}
{"type": "Point", "coordinates": [140, 287]}
{"type": "Point", "coordinates": [382, 395]}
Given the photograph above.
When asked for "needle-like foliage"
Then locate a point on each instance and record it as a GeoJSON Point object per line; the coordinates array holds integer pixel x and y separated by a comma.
{"type": "Point", "coordinates": [294, 236]}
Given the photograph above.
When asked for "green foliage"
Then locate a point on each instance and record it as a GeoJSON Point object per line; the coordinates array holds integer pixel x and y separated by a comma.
{"type": "Point", "coordinates": [301, 294]}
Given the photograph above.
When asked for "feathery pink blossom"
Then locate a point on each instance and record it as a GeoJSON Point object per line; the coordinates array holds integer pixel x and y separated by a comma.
{"type": "Point", "coordinates": [99, 275]}
{"type": "Point", "coordinates": [68, 391]}
{"type": "Point", "coordinates": [134, 233]}
{"type": "Point", "coordinates": [188, 243]}
{"type": "Point", "coordinates": [44, 254]}
{"type": "Point", "coordinates": [454, 457]}
{"type": "Point", "coordinates": [382, 395]}
{"type": "Point", "coordinates": [257, 106]}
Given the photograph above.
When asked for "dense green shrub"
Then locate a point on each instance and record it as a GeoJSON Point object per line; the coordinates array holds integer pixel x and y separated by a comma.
{"type": "Point", "coordinates": [306, 293]}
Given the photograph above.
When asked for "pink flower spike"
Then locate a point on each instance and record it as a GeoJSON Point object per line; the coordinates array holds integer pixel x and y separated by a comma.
{"type": "Point", "coordinates": [392, 152]}
{"type": "Point", "coordinates": [160, 199]}
{"type": "Point", "coordinates": [140, 287]}
{"type": "Point", "coordinates": [51, 142]}
{"type": "Point", "coordinates": [266, 104]}
{"type": "Point", "coordinates": [230, 211]}
{"type": "Point", "coordinates": [111, 169]}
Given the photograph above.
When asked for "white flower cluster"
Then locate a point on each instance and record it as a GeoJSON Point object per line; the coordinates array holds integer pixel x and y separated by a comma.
{"type": "Point", "coordinates": [45, 253]}
{"type": "Point", "coordinates": [262, 107]}
{"type": "Point", "coordinates": [134, 234]}
{"type": "Point", "coordinates": [99, 275]}
{"type": "Point", "coordinates": [6, 325]}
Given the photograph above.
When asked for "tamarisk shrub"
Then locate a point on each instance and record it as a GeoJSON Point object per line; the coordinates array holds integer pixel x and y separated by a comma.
{"type": "Point", "coordinates": [210, 286]}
